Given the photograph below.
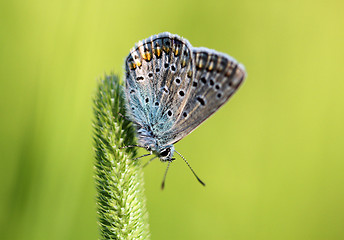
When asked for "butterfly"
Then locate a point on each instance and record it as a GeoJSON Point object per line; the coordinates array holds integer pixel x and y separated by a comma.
{"type": "Point", "coordinates": [172, 87]}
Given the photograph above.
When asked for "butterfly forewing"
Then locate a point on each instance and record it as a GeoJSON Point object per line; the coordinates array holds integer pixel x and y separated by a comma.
{"type": "Point", "coordinates": [158, 80]}
{"type": "Point", "coordinates": [216, 77]}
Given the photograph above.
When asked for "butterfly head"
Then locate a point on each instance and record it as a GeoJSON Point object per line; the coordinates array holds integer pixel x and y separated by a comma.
{"type": "Point", "coordinates": [166, 153]}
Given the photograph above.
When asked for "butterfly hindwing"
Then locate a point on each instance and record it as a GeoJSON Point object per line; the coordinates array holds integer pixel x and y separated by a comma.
{"type": "Point", "coordinates": [217, 76]}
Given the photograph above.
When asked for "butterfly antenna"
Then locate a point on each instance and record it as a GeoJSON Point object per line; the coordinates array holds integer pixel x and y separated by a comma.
{"type": "Point", "coordinates": [201, 182]}
{"type": "Point", "coordinates": [150, 160]}
{"type": "Point", "coordinates": [163, 181]}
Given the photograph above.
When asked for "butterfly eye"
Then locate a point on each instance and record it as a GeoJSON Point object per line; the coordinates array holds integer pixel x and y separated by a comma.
{"type": "Point", "coordinates": [219, 95]}
{"type": "Point", "coordinates": [169, 113]}
{"type": "Point", "coordinates": [185, 114]}
{"type": "Point", "coordinates": [147, 100]}
{"type": "Point", "coordinates": [156, 103]}
{"type": "Point", "coordinates": [166, 65]}
{"type": "Point", "coordinates": [157, 70]}
{"type": "Point", "coordinates": [165, 152]}
{"type": "Point", "coordinates": [150, 74]}
{"type": "Point", "coordinates": [181, 93]}
{"type": "Point", "coordinates": [177, 81]}
{"type": "Point", "coordinates": [217, 86]}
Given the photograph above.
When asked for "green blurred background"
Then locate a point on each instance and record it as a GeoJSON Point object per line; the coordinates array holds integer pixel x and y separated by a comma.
{"type": "Point", "coordinates": [272, 157]}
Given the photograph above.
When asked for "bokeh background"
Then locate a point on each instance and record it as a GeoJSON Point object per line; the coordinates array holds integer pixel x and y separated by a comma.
{"type": "Point", "coordinates": [272, 158]}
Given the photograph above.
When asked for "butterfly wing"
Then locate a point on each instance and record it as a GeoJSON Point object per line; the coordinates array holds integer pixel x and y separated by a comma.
{"type": "Point", "coordinates": [158, 79]}
{"type": "Point", "coordinates": [216, 78]}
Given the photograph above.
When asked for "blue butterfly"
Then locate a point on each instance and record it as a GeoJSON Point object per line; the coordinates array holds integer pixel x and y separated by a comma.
{"type": "Point", "coordinates": [172, 87]}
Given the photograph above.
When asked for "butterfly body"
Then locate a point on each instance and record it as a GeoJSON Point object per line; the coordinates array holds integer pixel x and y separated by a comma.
{"type": "Point", "coordinates": [172, 87]}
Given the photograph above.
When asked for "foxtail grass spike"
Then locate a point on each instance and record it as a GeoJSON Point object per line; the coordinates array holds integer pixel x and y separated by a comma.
{"type": "Point", "coordinates": [119, 179]}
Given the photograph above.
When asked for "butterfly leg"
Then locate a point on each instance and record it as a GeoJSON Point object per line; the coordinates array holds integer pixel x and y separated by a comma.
{"type": "Point", "coordinates": [148, 154]}
{"type": "Point", "coordinates": [150, 160]}
{"type": "Point", "coordinates": [128, 146]}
